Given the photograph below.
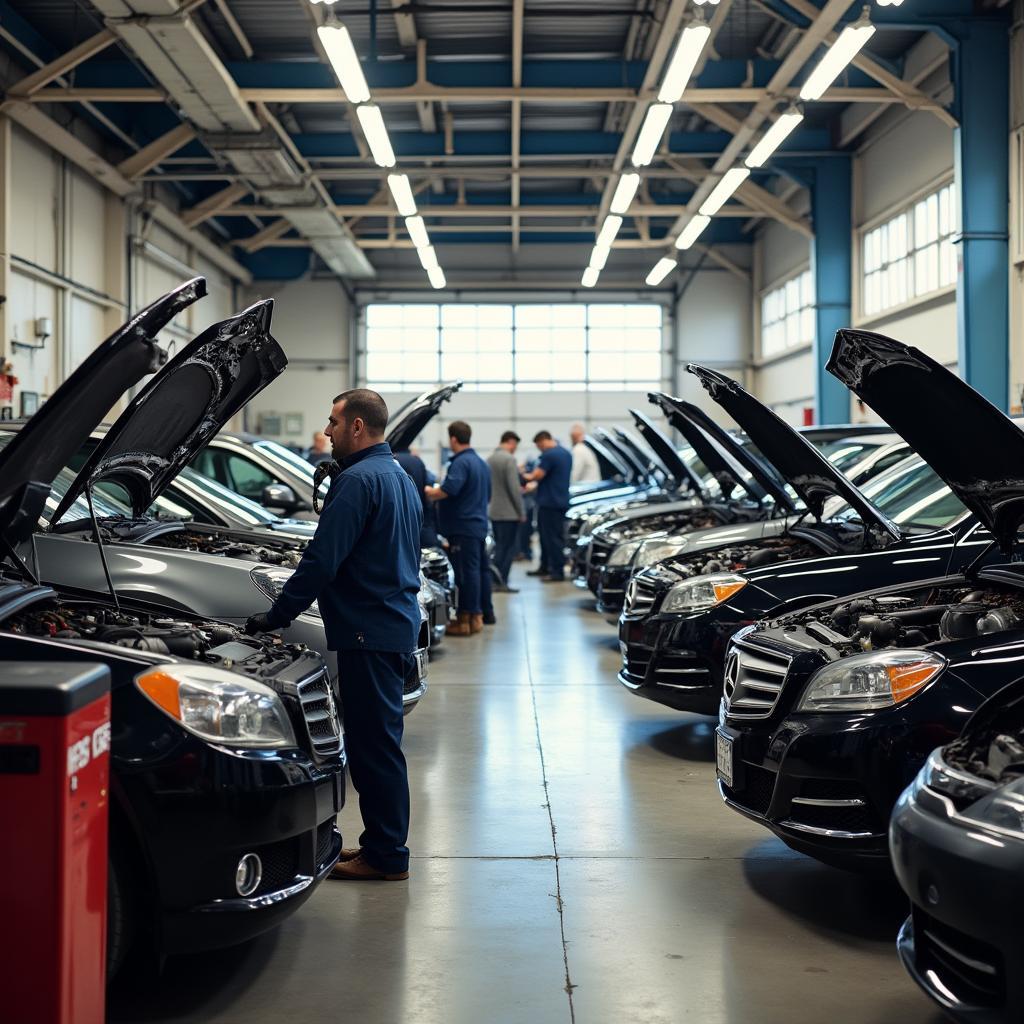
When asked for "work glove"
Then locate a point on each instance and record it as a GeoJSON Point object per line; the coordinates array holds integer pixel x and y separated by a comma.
{"type": "Point", "coordinates": [257, 623]}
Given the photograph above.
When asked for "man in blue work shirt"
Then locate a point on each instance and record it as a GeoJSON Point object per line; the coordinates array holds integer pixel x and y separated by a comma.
{"type": "Point", "coordinates": [421, 477]}
{"type": "Point", "coordinates": [362, 567]}
{"type": "Point", "coordinates": [553, 472]}
{"type": "Point", "coordinates": [464, 495]}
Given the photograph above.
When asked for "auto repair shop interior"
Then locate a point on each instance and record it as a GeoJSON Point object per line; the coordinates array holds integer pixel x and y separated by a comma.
{"type": "Point", "coordinates": [729, 725]}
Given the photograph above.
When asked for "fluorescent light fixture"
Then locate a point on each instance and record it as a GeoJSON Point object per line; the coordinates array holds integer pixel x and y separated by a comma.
{"type": "Point", "coordinates": [731, 180]}
{"type": "Point", "coordinates": [590, 276]}
{"type": "Point", "coordinates": [684, 60]}
{"type": "Point", "coordinates": [417, 232]}
{"type": "Point", "coordinates": [838, 56]}
{"type": "Point", "coordinates": [401, 191]}
{"type": "Point", "coordinates": [624, 192]}
{"type": "Point", "coordinates": [599, 257]}
{"type": "Point", "coordinates": [774, 137]}
{"type": "Point", "coordinates": [428, 257]}
{"type": "Point", "coordinates": [609, 229]}
{"type": "Point", "coordinates": [692, 231]}
{"type": "Point", "coordinates": [661, 270]}
{"type": "Point", "coordinates": [376, 134]}
{"type": "Point", "coordinates": [699, 3]}
{"type": "Point", "coordinates": [889, 3]}
{"type": "Point", "coordinates": [651, 132]}
{"type": "Point", "coordinates": [345, 61]}
{"type": "Point", "coordinates": [436, 277]}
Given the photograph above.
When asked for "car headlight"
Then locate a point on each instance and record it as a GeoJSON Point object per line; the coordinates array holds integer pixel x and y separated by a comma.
{"type": "Point", "coordinates": [269, 580]}
{"type": "Point", "coordinates": [652, 551]}
{"type": "Point", "coordinates": [865, 682]}
{"type": "Point", "coordinates": [702, 592]}
{"type": "Point", "coordinates": [219, 706]}
{"type": "Point", "coordinates": [624, 553]}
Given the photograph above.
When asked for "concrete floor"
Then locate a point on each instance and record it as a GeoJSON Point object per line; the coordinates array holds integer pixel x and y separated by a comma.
{"type": "Point", "coordinates": [571, 862]}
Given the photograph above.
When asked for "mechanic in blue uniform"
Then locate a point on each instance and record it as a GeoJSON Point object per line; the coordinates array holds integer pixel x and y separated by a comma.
{"type": "Point", "coordinates": [553, 473]}
{"type": "Point", "coordinates": [362, 567]}
{"type": "Point", "coordinates": [422, 478]}
{"type": "Point", "coordinates": [464, 496]}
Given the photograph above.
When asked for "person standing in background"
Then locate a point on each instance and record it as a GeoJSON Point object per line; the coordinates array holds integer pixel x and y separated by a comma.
{"type": "Point", "coordinates": [320, 450]}
{"type": "Point", "coordinates": [422, 478]}
{"type": "Point", "coordinates": [507, 510]}
{"type": "Point", "coordinates": [585, 469]}
{"type": "Point", "coordinates": [524, 536]}
{"type": "Point", "coordinates": [464, 495]}
{"type": "Point", "coordinates": [552, 474]}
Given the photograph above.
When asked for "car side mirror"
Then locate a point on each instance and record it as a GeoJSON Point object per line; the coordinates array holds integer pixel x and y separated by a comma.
{"type": "Point", "coordinates": [279, 496]}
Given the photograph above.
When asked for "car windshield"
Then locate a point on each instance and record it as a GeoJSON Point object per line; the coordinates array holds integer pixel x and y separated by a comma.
{"type": "Point", "coordinates": [846, 452]}
{"type": "Point", "coordinates": [197, 496]}
{"type": "Point", "coordinates": [910, 494]}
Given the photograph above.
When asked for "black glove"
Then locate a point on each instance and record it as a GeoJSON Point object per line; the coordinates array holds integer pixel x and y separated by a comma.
{"type": "Point", "coordinates": [257, 623]}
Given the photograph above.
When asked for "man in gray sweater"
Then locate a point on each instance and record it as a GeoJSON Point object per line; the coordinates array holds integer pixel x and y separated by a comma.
{"type": "Point", "coordinates": [506, 509]}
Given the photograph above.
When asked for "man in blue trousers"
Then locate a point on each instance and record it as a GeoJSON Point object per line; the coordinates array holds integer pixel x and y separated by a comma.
{"type": "Point", "coordinates": [362, 567]}
{"type": "Point", "coordinates": [464, 495]}
{"type": "Point", "coordinates": [554, 468]}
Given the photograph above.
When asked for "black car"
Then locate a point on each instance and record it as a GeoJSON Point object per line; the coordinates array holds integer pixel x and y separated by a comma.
{"type": "Point", "coordinates": [227, 757]}
{"type": "Point", "coordinates": [959, 822]}
{"type": "Point", "coordinates": [905, 525]}
{"type": "Point", "coordinates": [829, 712]}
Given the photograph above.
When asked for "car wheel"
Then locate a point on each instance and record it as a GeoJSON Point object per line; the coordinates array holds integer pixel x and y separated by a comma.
{"type": "Point", "coordinates": [122, 910]}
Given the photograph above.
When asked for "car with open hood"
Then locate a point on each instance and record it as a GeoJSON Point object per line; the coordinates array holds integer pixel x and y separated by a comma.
{"type": "Point", "coordinates": [227, 760]}
{"type": "Point", "coordinates": [960, 822]}
{"type": "Point", "coordinates": [830, 711]}
{"type": "Point", "coordinates": [171, 565]}
{"type": "Point", "coordinates": [698, 590]}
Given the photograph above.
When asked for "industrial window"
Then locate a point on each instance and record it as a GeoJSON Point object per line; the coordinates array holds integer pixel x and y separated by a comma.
{"type": "Point", "coordinates": [529, 346]}
{"type": "Point", "coordinates": [787, 315]}
{"type": "Point", "coordinates": [911, 255]}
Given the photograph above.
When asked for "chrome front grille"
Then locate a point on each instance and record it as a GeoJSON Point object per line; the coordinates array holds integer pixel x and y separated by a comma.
{"type": "Point", "coordinates": [753, 680]}
{"type": "Point", "coordinates": [640, 597]}
{"type": "Point", "coordinates": [635, 661]}
{"type": "Point", "coordinates": [320, 714]}
{"type": "Point", "coordinates": [600, 552]}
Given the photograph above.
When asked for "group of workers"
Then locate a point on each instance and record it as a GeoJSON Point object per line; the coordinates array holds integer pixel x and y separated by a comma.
{"type": "Point", "coordinates": [362, 568]}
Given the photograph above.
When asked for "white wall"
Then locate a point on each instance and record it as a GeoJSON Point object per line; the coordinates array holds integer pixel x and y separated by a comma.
{"type": "Point", "coordinates": [312, 323]}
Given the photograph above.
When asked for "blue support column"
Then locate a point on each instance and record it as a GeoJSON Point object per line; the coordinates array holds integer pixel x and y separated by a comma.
{"type": "Point", "coordinates": [981, 78]}
{"type": "Point", "coordinates": [831, 266]}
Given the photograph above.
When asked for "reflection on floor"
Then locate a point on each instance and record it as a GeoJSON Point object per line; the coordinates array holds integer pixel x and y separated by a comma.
{"type": "Point", "coordinates": [572, 862]}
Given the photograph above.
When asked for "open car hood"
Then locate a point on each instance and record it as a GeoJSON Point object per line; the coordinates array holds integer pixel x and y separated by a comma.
{"type": "Point", "coordinates": [183, 407]}
{"type": "Point", "coordinates": [721, 452]}
{"type": "Point", "coordinates": [408, 422]}
{"type": "Point", "coordinates": [973, 446]}
{"type": "Point", "coordinates": [609, 463]}
{"type": "Point", "coordinates": [679, 473]}
{"type": "Point", "coordinates": [810, 474]}
{"type": "Point", "coordinates": [638, 471]}
{"type": "Point", "coordinates": [63, 424]}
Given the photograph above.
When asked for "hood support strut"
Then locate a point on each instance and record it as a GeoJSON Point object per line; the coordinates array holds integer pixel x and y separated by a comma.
{"type": "Point", "coordinates": [99, 543]}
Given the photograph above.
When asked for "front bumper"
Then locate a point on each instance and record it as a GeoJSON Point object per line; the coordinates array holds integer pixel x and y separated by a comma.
{"type": "Point", "coordinates": [610, 591]}
{"type": "Point", "coordinates": [961, 943]}
{"type": "Point", "coordinates": [415, 685]}
{"type": "Point", "coordinates": [674, 660]}
{"type": "Point", "coordinates": [197, 813]}
{"type": "Point", "coordinates": [826, 783]}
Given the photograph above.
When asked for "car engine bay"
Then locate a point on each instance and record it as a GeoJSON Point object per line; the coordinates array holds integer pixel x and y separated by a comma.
{"type": "Point", "coordinates": [745, 556]}
{"type": "Point", "coordinates": [283, 553]}
{"type": "Point", "coordinates": [932, 615]}
{"type": "Point", "coordinates": [215, 643]}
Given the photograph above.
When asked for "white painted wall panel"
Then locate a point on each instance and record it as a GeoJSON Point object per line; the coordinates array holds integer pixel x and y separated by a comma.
{"type": "Point", "coordinates": [88, 231]}
{"type": "Point", "coordinates": [36, 369]}
{"type": "Point", "coordinates": [783, 252]}
{"type": "Point", "coordinates": [35, 204]}
{"type": "Point", "coordinates": [787, 385]}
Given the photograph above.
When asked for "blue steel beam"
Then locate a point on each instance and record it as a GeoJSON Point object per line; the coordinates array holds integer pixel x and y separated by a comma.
{"type": "Point", "coordinates": [981, 77]}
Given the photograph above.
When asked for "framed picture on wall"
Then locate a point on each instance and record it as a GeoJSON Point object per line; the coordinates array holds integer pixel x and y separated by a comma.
{"type": "Point", "coordinates": [29, 403]}
{"type": "Point", "coordinates": [293, 423]}
{"type": "Point", "coordinates": [270, 424]}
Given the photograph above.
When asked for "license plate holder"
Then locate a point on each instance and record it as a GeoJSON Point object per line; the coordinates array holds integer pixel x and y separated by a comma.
{"type": "Point", "coordinates": [421, 665]}
{"type": "Point", "coordinates": [725, 754]}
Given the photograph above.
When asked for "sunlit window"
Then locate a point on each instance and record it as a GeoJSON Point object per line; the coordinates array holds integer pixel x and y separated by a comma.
{"type": "Point", "coordinates": [911, 255]}
{"type": "Point", "coordinates": [531, 347]}
{"type": "Point", "coordinates": [787, 315]}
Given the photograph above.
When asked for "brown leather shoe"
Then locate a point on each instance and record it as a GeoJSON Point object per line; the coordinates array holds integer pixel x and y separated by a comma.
{"type": "Point", "coordinates": [462, 627]}
{"type": "Point", "coordinates": [476, 624]}
{"type": "Point", "coordinates": [349, 853]}
{"type": "Point", "coordinates": [359, 870]}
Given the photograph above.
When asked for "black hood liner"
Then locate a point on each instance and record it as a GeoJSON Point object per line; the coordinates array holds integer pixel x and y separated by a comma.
{"type": "Point", "coordinates": [610, 464]}
{"type": "Point", "coordinates": [649, 460]}
{"type": "Point", "coordinates": [809, 473]}
{"type": "Point", "coordinates": [183, 407]}
{"type": "Point", "coordinates": [46, 444]}
{"type": "Point", "coordinates": [973, 446]}
{"type": "Point", "coordinates": [679, 472]}
{"type": "Point", "coordinates": [764, 478]}
{"type": "Point", "coordinates": [408, 422]}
